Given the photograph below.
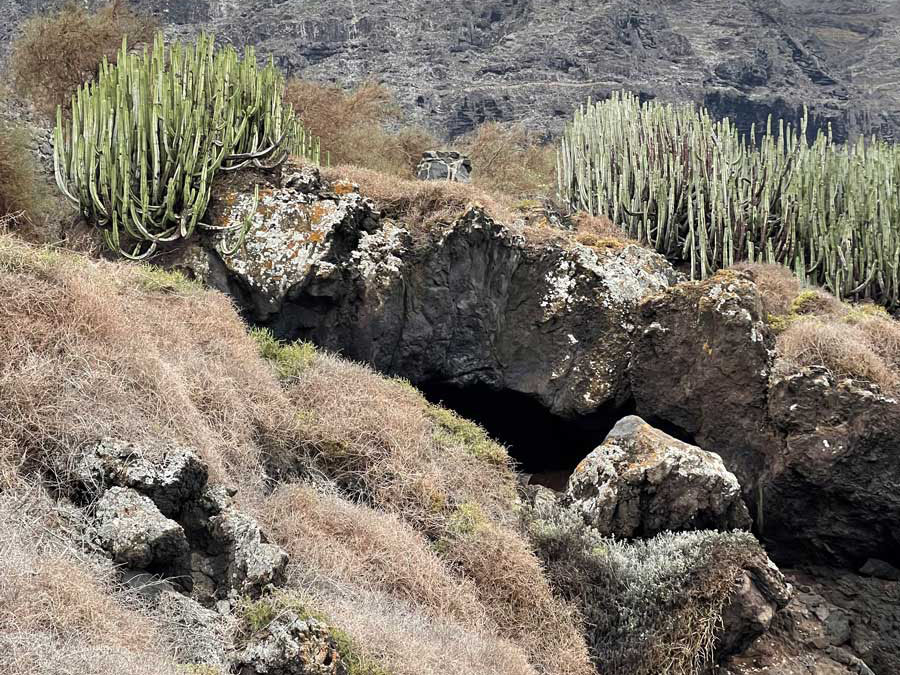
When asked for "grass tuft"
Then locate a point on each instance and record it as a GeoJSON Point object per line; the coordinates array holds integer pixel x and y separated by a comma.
{"type": "Point", "coordinates": [289, 359]}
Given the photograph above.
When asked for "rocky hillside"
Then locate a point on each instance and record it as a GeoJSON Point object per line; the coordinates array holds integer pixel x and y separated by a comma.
{"type": "Point", "coordinates": [458, 63]}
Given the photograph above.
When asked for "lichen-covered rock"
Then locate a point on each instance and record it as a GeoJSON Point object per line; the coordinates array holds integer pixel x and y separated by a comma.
{"type": "Point", "coordinates": [472, 301]}
{"type": "Point", "coordinates": [251, 563]}
{"type": "Point", "coordinates": [134, 532]}
{"type": "Point", "coordinates": [832, 493]}
{"type": "Point", "coordinates": [169, 475]}
{"type": "Point", "coordinates": [702, 360]}
{"type": "Point", "coordinates": [291, 645]}
{"type": "Point", "coordinates": [641, 481]}
{"type": "Point", "coordinates": [297, 225]}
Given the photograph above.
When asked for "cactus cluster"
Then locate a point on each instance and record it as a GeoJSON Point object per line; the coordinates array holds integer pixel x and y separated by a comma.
{"type": "Point", "coordinates": [147, 136]}
{"type": "Point", "coordinates": [701, 193]}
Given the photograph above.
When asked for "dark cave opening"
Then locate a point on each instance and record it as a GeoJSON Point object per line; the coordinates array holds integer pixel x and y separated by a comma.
{"type": "Point", "coordinates": [547, 446]}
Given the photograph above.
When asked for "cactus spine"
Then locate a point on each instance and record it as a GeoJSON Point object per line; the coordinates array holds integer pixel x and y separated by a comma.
{"type": "Point", "coordinates": [698, 192]}
{"type": "Point", "coordinates": [147, 137]}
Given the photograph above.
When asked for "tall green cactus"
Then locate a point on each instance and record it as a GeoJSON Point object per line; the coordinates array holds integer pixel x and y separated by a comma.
{"type": "Point", "coordinates": [147, 137]}
{"type": "Point", "coordinates": [700, 193]}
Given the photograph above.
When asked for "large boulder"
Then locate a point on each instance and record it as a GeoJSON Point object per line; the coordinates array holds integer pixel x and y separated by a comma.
{"type": "Point", "coordinates": [701, 364]}
{"type": "Point", "coordinates": [471, 301]}
{"type": "Point", "coordinates": [168, 475]}
{"type": "Point", "coordinates": [641, 481]}
{"type": "Point", "coordinates": [832, 492]}
{"type": "Point", "coordinates": [136, 534]}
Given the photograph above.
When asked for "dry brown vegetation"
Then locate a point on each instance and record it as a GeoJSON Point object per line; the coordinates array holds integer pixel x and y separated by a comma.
{"type": "Point", "coordinates": [508, 159]}
{"type": "Point", "coordinates": [420, 202]}
{"type": "Point", "coordinates": [57, 52]}
{"type": "Point", "coordinates": [816, 329]}
{"type": "Point", "coordinates": [406, 530]}
{"type": "Point", "coordinates": [352, 125]}
{"type": "Point", "coordinates": [363, 127]}
{"type": "Point", "coordinates": [22, 193]}
{"type": "Point", "coordinates": [60, 612]}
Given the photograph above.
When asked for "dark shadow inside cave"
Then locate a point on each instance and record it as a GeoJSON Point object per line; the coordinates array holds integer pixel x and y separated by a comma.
{"type": "Point", "coordinates": [542, 444]}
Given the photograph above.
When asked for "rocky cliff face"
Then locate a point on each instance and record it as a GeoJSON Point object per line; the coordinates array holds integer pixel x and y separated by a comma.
{"type": "Point", "coordinates": [457, 63]}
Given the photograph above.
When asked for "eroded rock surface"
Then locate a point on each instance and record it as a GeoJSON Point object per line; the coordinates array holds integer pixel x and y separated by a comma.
{"type": "Point", "coordinates": [701, 363]}
{"type": "Point", "coordinates": [134, 532]}
{"type": "Point", "coordinates": [641, 481]}
{"type": "Point", "coordinates": [837, 480]}
{"type": "Point", "coordinates": [471, 301]}
{"type": "Point", "coordinates": [155, 513]}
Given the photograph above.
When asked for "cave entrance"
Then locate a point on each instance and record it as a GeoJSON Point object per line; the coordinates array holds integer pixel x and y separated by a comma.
{"type": "Point", "coordinates": [547, 446]}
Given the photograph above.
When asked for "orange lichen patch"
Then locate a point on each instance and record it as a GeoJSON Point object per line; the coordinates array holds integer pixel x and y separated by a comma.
{"type": "Point", "coordinates": [319, 212]}
{"type": "Point", "coordinates": [343, 188]}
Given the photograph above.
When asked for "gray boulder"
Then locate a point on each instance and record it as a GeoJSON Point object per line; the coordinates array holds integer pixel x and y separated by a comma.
{"type": "Point", "coordinates": [291, 645]}
{"type": "Point", "coordinates": [172, 477]}
{"type": "Point", "coordinates": [251, 563]}
{"type": "Point", "coordinates": [134, 532]}
{"type": "Point", "coordinates": [450, 166]}
{"type": "Point", "coordinates": [641, 482]}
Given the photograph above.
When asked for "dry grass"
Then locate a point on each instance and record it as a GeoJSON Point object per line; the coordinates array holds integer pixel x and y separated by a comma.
{"type": "Point", "coordinates": [86, 350]}
{"type": "Point", "coordinates": [860, 351]}
{"type": "Point", "coordinates": [60, 613]}
{"type": "Point", "coordinates": [57, 52]}
{"type": "Point", "coordinates": [816, 329]}
{"type": "Point", "coordinates": [422, 203]}
{"type": "Point", "coordinates": [424, 522]}
{"type": "Point", "coordinates": [352, 126]}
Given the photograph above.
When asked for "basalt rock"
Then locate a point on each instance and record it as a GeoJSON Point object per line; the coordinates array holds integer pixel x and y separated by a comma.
{"type": "Point", "coordinates": [471, 301]}
{"type": "Point", "coordinates": [136, 534]}
{"type": "Point", "coordinates": [701, 366]}
{"type": "Point", "coordinates": [176, 475]}
{"type": "Point", "coordinates": [454, 64]}
{"type": "Point", "coordinates": [155, 513]}
{"type": "Point", "coordinates": [641, 482]}
{"type": "Point", "coordinates": [832, 491]}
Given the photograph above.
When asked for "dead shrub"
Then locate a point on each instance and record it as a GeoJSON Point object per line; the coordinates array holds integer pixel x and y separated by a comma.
{"type": "Point", "coordinates": [777, 286]}
{"type": "Point", "coordinates": [353, 125]}
{"type": "Point", "coordinates": [57, 52]}
{"type": "Point", "coordinates": [22, 191]}
{"type": "Point", "coordinates": [845, 350]}
{"type": "Point", "coordinates": [508, 159]}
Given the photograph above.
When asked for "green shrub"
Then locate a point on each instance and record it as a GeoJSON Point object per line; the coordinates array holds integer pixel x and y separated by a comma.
{"type": "Point", "coordinates": [650, 606]}
{"type": "Point", "coordinates": [57, 52]}
{"type": "Point", "coordinates": [700, 193]}
{"type": "Point", "coordinates": [149, 135]}
{"type": "Point", "coordinates": [289, 359]}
